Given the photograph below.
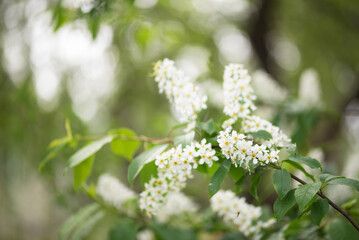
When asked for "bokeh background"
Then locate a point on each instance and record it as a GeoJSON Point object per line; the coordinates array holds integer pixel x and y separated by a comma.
{"type": "Point", "coordinates": [90, 61]}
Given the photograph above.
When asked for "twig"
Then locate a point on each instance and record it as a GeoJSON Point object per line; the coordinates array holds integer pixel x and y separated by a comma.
{"type": "Point", "coordinates": [140, 139]}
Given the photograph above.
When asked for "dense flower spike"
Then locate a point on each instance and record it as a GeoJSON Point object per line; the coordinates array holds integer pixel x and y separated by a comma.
{"type": "Point", "coordinates": [238, 93]}
{"type": "Point", "coordinates": [236, 212]}
{"type": "Point", "coordinates": [177, 203]}
{"type": "Point", "coordinates": [174, 168]}
{"type": "Point", "coordinates": [243, 152]}
{"type": "Point", "coordinates": [254, 124]}
{"type": "Point", "coordinates": [183, 94]}
{"type": "Point", "coordinates": [113, 191]}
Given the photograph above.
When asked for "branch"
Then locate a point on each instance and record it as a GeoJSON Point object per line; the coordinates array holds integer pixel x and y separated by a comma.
{"type": "Point", "coordinates": [322, 195]}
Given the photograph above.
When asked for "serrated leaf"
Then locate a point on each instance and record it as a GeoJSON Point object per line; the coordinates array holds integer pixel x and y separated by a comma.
{"type": "Point", "coordinates": [208, 126]}
{"type": "Point", "coordinates": [255, 180]}
{"type": "Point", "coordinates": [345, 181]}
{"type": "Point", "coordinates": [282, 206]}
{"type": "Point", "coordinates": [149, 170]}
{"type": "Point", "coordinates": [76, 219]}
{"type": "Point", "coordinates": [125, 229]}
{"type": "Point", "coordinates": [185, 139]}
{"type": "Point", "coordinates": [87, 151]}
{"type": "Point", "coordinates": [304, 194]}
{"type": "Point", "coordinates": [236, 173]}
{"type": "Point", "coordinates": [261, 134]}
{"type": "Point", "coordinates": [319, 210]}
{"type": "Point", "coordinates": [310, 162]}
{"type": "Point", "coordinates": [84, 229]}
{"type": "Point", "coordinates": [145, 157]}
{"type": "Point", "coordinates": [300, 168]}
{"type": "Point", "coordinates": [82, 171]}
{"type": "Point", "coordinates": [282, 182]}
{"type": "Point", "coordinates": [218, 177]}
{"type": "Point", "coordinates": [124, 148]}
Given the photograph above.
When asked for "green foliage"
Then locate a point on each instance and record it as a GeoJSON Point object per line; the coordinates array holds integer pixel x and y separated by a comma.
{"type": "Point", "coordinates": [124, 148]}
{"type": "Point", "coordinates": [319, 210]}
{"type": "Point", "coordinates": [83, 230]}
{"type": "Point", "coordinates": [164, 232]}
{"type": "Point", "coordinates": [209, 126]}
{"type": "Point", "coordinates": [253, 189]}
{"type": "Point", "coordinates": [300, 168]}
{"type": "Point", "coordinates": [261, 134]}
{"type": "Point", "coordinates": [75, 221]}
{"type": "Point", "coordinates": [282, 182]}
{"type": "Point", "coordinates": [282, 206]}
{"type": "Point", "coordinates": [218, 177]}
{"type": "Point", "coordinates": [339, 180]}
{"type": "Point", "coordinates": [87, 151]}
{"type": "Point", "coordinates": [305, 194]}
{"type": "Point", "coordinates": [310, 162]}
{"type": "Point", "coordinates": [124, 229]}
{"type": "Point", "coordinates": [145, 157]}
{"type": "Point", "coordinates": [82, 171]}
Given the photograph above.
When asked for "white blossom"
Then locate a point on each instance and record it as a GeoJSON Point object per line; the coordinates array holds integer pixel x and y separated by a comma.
{"type": "Point", "coordinates": [184, 96]}
{"type": "Point", "coordinates": [238, 93]}
{"type": "Point", "coordinates": [174, 168]}
{"type": "Point", "coordinates": [113, 191]}
{"type": "Point", "coordinates": [177, 203]}
{"type": "Point", "coordinates": [237, 213]}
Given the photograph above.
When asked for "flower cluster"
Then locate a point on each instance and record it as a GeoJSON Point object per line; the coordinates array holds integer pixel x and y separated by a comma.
{"type": "Point", "coordinates": [174, 168]}
{"type": "Point", "coordinates": [243, 152]}
{"type": "Point", "coordinates": [113, 191]}
{"type": "Point", "coordinates": [177, 203]}
{"type": "Point", "coordinates": [239, 95]}
{"type": "Point", "coordinates": [183, 94]}
{"type": "Point", "coordinates": [235, 211]}
{"type": "Point", "coordinates": [254, 124]}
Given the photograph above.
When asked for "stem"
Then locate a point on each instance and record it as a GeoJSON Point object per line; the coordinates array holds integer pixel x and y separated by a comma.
{"type": "Point", "coordinates": [322, 195]}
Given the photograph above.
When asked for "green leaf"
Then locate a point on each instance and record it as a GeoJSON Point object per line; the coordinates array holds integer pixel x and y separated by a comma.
{"type": "Point", "coordinates": [282, 182]}
{"type": "Point", "coordinates": [282, 206]}
{"type": "Point", "coordinates": [236, 173]}
{"type": "Point", "coordinates": [124, 148]}
{"type": "Point", "coordinates": [149, 170]}
{"type": "Point", "coordinates": [208, 126]}
{"type": "Point", "coordinates": [165, 232]}
{"type": "Point", "coordinates": [345, 181]}
{"type": "Point", "coordinates": [145, 157]}
{"type": "Point", "coordinates": [52, 154]}
{"type": "Point", "coordinates": [82, 171]}
{"type": "Point", "coordinates": [319, 210]}
{"type": "Point", "coordinates": [255, 180]}
{"type": "Point", "coordinates": [125, 229]}
{"type": "Point", "coordinates": [218, 177]}
{"type": "Point", "coordinates": [76, 219]}
{"type": "Point", "coordinates": [300, 168]}
{"type": "Point", "coordinates": [239, 184]}
{"type": "Point", "coordinates": [261, 134]}
{"type": "Point", "coordinates": [340, 229]}
{"type": "Point", "coordinates": [185, 139]}
{"type": "Point", "coordinates": [325, 177]}
{"type": "Point", "coordinates": [87, 151]}
{"type": "Point", "coordinates": [310, 162]}
{"type": "Point", "coordinates": [306, 193]}
{"type": "Point", "coordinates": [84, 229]}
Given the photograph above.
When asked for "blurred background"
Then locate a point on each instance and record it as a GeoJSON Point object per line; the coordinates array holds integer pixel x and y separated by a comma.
{"type": "Point", "coordinates": [90, 61]}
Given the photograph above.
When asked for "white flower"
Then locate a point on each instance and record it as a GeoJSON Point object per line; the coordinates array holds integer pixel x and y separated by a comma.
{"type": "Point", "coordinates": [182, 94]}
{"type": "Point", "coordinates": [113, 191]}
{"type": "Point", "coordinates": [236, 212]}
{"type": "Point", "coordinates": [238, 94]}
